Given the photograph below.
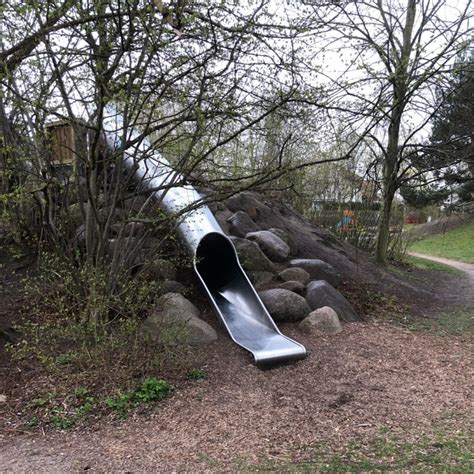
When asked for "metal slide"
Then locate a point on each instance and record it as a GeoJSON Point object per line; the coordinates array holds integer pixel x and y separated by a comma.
{"type": "Point", "coordinates": [215, 260]}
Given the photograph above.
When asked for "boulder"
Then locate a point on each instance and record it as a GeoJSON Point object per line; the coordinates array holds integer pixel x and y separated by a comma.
{"type": "Point", "coordinates": [251, 256]}
{"type": "Point", "coordinates": [287, 238]}
{"type": "Point", "coordinates": [320, 293]}
{"type": "Point", "coordinates": [284, 305]}
{"type": "Point", "coordinates": [295, 274]}
{"type": "Point", "coordinates": [259, 278]}
{"type": "Point", "coordinates": [160, 269]}
{"type": "Point", "coordinates": [222, 218]}
{"type": "Point", "coordinates": [317, 269]}
{"type": "Point", "coordinates": [80, 235]}
{"type": "Point", "coordinates": [128, 229]}
{"type": "Point", "coordinates": [171, 286]}
{"type": "Point", "coordinates": [273, 247]}
{"type": "Point", "coordinates": [125, 246]}
{"type": "Point", "coordinates": [294, 286]}
{"type": "Point", "coordinates": [138, 203]}
{"type": "Point", "coordinates": [322, 321]}
{"type": "Point", "coordinates": [243, 202]}
{"type": "Point", "coordinates": [240, 224]}
{"type": "Point", "coordinates": [175, 320]}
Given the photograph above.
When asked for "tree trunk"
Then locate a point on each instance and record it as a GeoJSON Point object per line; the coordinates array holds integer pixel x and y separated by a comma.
{"type": "Point", "coordinates": [383, 230]}
{"type": "Point", "coordinates": [392, 159]}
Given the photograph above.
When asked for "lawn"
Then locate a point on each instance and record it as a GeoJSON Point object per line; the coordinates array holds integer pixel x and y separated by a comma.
{"type": "Point", "coordinates": [426, 264]}
{"type": "Point", "coordinates": [457, 243]}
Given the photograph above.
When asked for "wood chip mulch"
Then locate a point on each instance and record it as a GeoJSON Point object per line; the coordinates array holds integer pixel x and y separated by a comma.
{"type": "Point", "coordinates": [369, 378]}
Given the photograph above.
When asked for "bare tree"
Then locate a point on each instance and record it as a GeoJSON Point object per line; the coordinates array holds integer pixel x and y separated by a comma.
{"type": "Point", "coordinates": [392, 57]}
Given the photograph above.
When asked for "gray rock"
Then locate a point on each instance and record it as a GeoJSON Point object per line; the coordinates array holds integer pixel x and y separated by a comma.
{"type": "Point", "coordinates": [222, 218]}
{"type": "Point", "coordinates": [317, 269]}
{"type": "Point", "coordinates": [216, 206]}
{"type": "Point", "coordinates": [243, 202]}
{"type": "Point", "coordinates": [251, 256]}
{"type": "Point", "coordinates": [295, 274]}
{"type": "Point", "coordinates": [320, 293]}
{"type": "Point", "coordinates": [80, 234]}
{"type": "Point", "coordinates": [138, 203]}
{"type": "Point", "coordinates": [240, 224]}
{"type": "Point", "coordinates": [294, 286]}
{"type": "Point", "coordinates": [284, 305]}
{"type": "Point", "coordinates": [175, 320]}
{"type": "Point", "coordinates": [171, 286]}
{"type": "Point", "coordinates": [128, 229]}
{"type": "Point", "coordinates": [124, 246]}
{"type": "Point", "coordinates": [288, 239]}
{"type": "Point", "coordinates": [273, 247]}
{"type": "Point", "coordinates": [322, 321]}
{"type": "Point", "coordinates": [259, 278]}
{"type": "Point", "coordinates": [160, 269]}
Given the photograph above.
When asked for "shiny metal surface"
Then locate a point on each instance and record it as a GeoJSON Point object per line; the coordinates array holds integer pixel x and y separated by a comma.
{"type": "Point", "coordinates": [228, 288]}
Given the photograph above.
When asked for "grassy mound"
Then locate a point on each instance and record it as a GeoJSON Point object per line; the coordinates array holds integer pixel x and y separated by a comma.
{"type": "Point", "coordinates": [457, 243]}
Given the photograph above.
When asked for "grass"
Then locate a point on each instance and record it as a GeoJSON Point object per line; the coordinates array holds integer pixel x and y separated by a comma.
{"type": "Point", "coordinates": [458, 322]}
{"type": "Point", "coordinates": [425, 264]}
{"type": "Point", "coordinates": [457, 243]}
{"type": "Point", "coordinates": [446, 450]}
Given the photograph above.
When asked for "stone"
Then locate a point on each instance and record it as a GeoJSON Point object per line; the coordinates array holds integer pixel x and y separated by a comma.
{"type": "Point", "coordinates": [80, 234]}
{"type": "Point", "coordinates": [259, 278]}
{"type": "Point", "coordinates": [294, 286]}
{"type": "Point", "coordinates": [251, 256]}
{"type": "Point", "coordinates": [320, 293]}
{"type": "Point", "coordinates": [240, 224]}
{"type": "Point", "coordinates": [295, 274]}
{"type": "Point", "coordinates": [176, 320]}
{"type": "Point", "coordinates": [128, 229]}
{"type": "Point", "coordinates": [284, 305]}
{"type": "Point", "coordinates": [273, 247]}
{"type": "Point", "coordinates": [216, 206]}
{"type": "Point", "coordinates": [171, 286]}
{"type": "Point", "coordinates": [322, 321]}
{"type": "Point", "coordinates": [317, 269]}
{"type": "Point", "coordinates": [138, 204]}
{"type": "Point", "coordinates": [288, 239]}
{"type": "Point", "coordinates": [160, 269]}
{"type": "Point", "coordinates": [125, 246]}
{"type": "Point", "coordinates": [243, 202]}
{"type": "Point", "coordinates": [222, 219]}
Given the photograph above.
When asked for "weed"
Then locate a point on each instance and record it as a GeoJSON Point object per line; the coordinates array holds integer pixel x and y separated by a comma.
{"type": "Point", "coordinates": [32, 422]}
{"type": "Point", "coordinates": [446, 450]}
{"type": "Point", "coordinates": [150, 390]}
{"type": "Point", "coordinates": [61, 421]}
{"type": "Point", "coordinates": [120, 403]}
{"type": "Point", "coordinates": [196, 374]}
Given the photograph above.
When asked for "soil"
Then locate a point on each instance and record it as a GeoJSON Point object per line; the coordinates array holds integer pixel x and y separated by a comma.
{"type": "Point", "coordinates": [372, 377]}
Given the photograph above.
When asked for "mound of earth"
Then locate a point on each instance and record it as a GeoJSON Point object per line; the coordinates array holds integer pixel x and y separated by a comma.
{"type": "Point", "coordinates": [309, 241]}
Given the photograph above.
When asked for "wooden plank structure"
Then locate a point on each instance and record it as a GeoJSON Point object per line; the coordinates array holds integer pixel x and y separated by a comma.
{"type": "Point", "coordinates": [64, 142]}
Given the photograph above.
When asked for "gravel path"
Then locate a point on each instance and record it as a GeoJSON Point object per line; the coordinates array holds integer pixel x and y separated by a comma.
{"type": "Point", "coordinates": [465, 267]}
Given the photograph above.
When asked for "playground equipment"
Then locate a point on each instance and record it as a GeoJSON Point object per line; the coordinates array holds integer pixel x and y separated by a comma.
{"type": "Point", "coordinates": [215, 259]}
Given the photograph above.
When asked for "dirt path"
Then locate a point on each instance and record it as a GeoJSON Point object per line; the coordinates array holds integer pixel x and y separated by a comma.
{"type": "Point", "coordinates": [465, 267]}
{"type": "Point", "coordinates": [453, 294]}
